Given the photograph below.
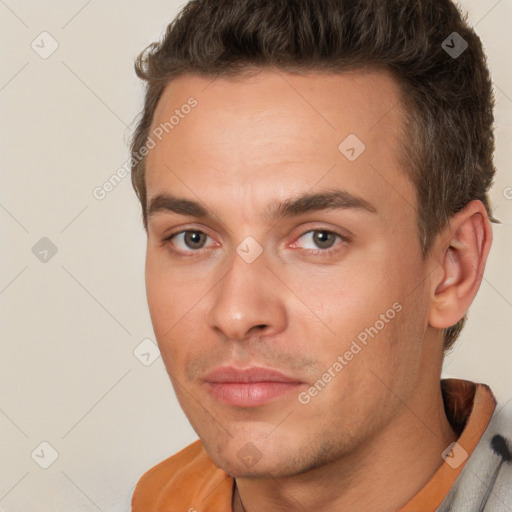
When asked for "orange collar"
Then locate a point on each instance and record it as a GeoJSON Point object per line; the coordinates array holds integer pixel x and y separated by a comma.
{"type": "Point", "coordinates": [469, 407]}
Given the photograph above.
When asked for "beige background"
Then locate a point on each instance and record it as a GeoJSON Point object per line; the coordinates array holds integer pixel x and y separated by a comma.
{"type": "Point", "coordinates": [69, 326]}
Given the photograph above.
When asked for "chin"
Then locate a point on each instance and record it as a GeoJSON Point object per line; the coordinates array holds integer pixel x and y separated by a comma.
{"type": "Point", "coordinates": [249, 462]}
{"type": "Point", "coordinates": [235, 469]}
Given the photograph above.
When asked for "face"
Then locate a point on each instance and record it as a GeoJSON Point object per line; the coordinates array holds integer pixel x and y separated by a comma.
{"type": "Point", "coordinates": [284, 273]}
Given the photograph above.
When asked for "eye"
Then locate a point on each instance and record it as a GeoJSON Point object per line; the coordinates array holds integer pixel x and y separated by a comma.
{"type": "Point", "coordinates": [191, 242]}
{"type": "Point", "coordinates": [320, 239]}
{"type": "Point", "coordinates": [188, 241]}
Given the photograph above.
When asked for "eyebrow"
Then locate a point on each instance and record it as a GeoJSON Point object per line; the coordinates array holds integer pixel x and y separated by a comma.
{"type": "Point", "coordinates": [292, 207]}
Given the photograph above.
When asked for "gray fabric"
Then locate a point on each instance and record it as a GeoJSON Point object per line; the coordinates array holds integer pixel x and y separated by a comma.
{"type": "Point", "coordinates": [485, 482]}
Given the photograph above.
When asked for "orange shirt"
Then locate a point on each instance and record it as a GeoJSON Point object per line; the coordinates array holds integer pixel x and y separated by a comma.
{"type": "Point", "coordinates": [190, 482]}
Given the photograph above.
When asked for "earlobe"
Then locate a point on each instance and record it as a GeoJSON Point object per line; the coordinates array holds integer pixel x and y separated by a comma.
{"type": "Point", "coordinates": [462, 255]}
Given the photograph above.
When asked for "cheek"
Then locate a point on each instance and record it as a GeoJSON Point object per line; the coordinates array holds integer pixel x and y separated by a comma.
{"type": "Point", "coordinates": [163, 303]}
{"type": "Point", "coordinates": [344, 299]}
{"type": "Point", "coordinates": [160, 301]}
{"type": "Point", "coordinates": [174, 300]}
{"type": "Point", "coordinates": [169, 294]}
{"type": "Point", "coordinates": [370, 309]}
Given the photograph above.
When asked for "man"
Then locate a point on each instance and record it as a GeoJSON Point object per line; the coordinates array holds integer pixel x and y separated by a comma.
{"type": "Point", "coordinates": [313, 176]}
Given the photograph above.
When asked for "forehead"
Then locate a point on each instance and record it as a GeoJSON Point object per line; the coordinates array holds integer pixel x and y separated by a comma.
{"type": "Point", "coordinates": [279, 133]}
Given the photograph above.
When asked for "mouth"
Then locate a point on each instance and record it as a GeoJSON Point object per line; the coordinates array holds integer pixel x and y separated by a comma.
{"type": "Point", "coordinates": [249, 387]}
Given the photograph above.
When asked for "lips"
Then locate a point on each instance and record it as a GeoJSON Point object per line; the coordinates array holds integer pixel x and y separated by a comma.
{"type": "Point", "coordinates": [249, 387]}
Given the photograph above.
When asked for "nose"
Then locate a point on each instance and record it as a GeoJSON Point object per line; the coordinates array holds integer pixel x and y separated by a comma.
{"type": "Point", "coordinates": [248, 301]}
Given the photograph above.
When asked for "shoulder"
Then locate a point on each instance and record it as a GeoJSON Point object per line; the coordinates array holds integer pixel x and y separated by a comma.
{"type": "Point", "coordinates": [182, 482]}
{"type": "Point", "coordinates": [485, 481]}
{"type": "Point", "coordinates": [191, 456]}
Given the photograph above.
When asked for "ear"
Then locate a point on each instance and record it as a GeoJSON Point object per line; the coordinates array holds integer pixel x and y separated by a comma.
{"type": "Point", "coordinates": [461, 252]}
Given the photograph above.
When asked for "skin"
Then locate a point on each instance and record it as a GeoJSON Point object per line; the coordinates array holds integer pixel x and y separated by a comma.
{"type": "Point", "coordinates": [373, 436]}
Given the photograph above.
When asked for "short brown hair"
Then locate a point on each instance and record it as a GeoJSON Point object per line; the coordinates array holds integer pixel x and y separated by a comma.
{"type": "Point", "coordinates": [448, 99]}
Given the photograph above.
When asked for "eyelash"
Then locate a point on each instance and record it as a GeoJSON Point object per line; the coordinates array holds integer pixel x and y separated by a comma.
{"type": "Point", "coordinates": [192, 253]}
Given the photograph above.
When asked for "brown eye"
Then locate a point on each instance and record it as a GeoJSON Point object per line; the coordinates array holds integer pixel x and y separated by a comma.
{"type": "Point", "coordinates": [194, 239]}
{"type": "Point", "coordinates": [324, 239]}
{"type": "Point", "coordinates": [188, 242]}
{"type": "Point", "coordinates": [319, 239]}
